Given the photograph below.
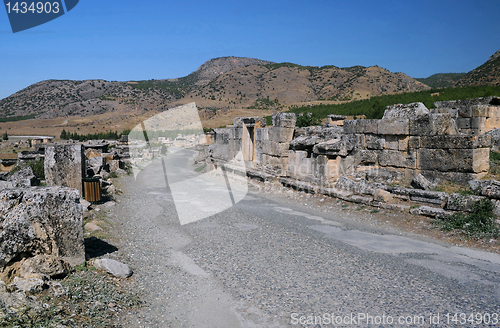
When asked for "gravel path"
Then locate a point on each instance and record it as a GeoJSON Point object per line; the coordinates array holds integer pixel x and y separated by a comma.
{"type": "Point", "coordinates": [271, 259]}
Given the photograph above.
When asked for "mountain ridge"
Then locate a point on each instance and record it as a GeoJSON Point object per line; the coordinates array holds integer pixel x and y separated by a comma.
{"type": "Point", "coordinates": [486, 74]}
{"type": "Point", "coordinates": [250, 83]}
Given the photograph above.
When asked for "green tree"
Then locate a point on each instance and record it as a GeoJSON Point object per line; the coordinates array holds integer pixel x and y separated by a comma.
{"type": "Point", "coordinates": [307, 119]}
{"type": "Point", "coordinates": [64, 135]}
{"type": "Point", "coordinates": [5, 136]}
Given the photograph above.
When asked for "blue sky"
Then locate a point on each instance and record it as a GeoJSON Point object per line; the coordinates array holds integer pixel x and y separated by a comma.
{"type": "Point", "coordinates": [123, 40]}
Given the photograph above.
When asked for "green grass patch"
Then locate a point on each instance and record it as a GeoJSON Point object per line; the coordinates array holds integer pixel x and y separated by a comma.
{"type": "Point", "coordinates": [200, 168]}
{"type": "Point", "coordinates": [480, 223]}
{"type": "Point", "coordinates": [16, 118]}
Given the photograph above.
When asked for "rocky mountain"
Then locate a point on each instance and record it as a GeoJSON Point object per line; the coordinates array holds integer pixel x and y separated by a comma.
{"type": "Point", "coordinates": [54, 98]}
{"type": "Point", "coordinates": [218, 66]}
{"type": "Point", "coordinates": [285, 84]}
{"type": "Point", "coordinates": [220, 83]}
{"type": "Point", "coordinates": [486, 74]}
{"type": "Point", "coordinates": [442, 80]}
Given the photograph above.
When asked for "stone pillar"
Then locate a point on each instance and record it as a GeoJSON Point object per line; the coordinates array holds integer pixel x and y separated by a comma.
{"type": "Point", "coordinates": [65, 166]}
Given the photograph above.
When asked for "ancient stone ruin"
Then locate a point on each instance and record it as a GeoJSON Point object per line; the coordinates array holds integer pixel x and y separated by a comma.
{"type": "Point", "coordinates": [41, 227]}
{"type": "Point", "coordinates": [449, 142]}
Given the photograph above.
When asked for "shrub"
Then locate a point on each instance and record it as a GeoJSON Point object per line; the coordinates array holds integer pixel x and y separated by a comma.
{"type": "Point", "coordinates": [479, 223]}
{"type": "Point", "coordinates": [307, 119]}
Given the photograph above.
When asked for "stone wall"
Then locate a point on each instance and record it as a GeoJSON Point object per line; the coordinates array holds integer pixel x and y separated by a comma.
{"type": "Point", "coordinates": [272, 144]}
{"type": "Point", "coordinates": [473, 116]}
{"type": "Point", "coordinates": [260, 147]}
{"type": "Point", "coordinates": [408, 140]}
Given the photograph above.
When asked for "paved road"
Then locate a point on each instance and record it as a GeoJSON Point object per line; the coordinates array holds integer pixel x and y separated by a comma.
{"type": "Point", "coordinates": [270, 261]}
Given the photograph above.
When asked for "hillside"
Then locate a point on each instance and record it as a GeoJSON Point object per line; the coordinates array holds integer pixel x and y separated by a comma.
{"type": "Point", "coordinates": [441, 80]}
{"type": "Point", "coordinates": [486, 74]}
{"type": "Point", "coordinates": [54, 98]}
{"type": "Point", "coordinates": [221, 83]}
{"type": "Point", "coordinates": [279, 85]}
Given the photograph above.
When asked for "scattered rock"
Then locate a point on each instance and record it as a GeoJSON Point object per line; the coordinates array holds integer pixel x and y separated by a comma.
{"type": "Point", "coordinates": [462, 203]}
{"type": "Point", "coordinates": [383, 196]}
{"type": "Point", "coordinates": [410, 111]}
{"type": "Point", "coordinates": [57, 289]}
{"type": "Point", "coordinates": [421, 182]}
{"type": "Point", "coordinates": [383, 175]}
{"type": "Point", "coordinates": [49, 265]}
{"type": "Point", "coordinates": [14, 302]}
{"type": "Point", "coordinates": [430, 211]}
{"type": "Point", "coordinates": [488, 188]}
{"type": "Point", "coordinates": [111, 190]}
{"type": "Point", "coordinates": [29, 286]}
{"type": "Point", "coordinates": [45, 220]}
{"type": "Point", "coordinates": [85, 203]}
{"type": "Point", "coordinates": [92, 226]}
{"type": "Point", "coordinates": [23, 178]}
{"type": "Point", "coordinates": [113, 267]}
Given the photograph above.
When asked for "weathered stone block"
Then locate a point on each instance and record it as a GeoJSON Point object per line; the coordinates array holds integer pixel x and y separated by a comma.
{"type": "Point", "coordinates": [274, 164]}
{"type": "Point", "coordinates": [236, 133]}
{"type": "Point", "coordinates": [275, 148]}
{"type": "Point", "coordinates": [414, 142]}
{"type": "Point", "coordinates": [366, 126]}
{"type": "Point", "coordinates": [337, 193]}
{"type": "Point", "coordinates": [488, 188]}
{"type": "Point", "coordinates": [305, 142]}
{"type": "Point", "coordinates": [398, 158]}
{"type": "Point", "coordinates": [374, 142]}
{"type": "Point", "coordinates": [430, 211]}
{"type": "Point", "coordinates": [368, 157]}
{"type": "Point", "coordinates": [383, 196]}
{"type": "Point", "coordinates": [455, 142]}
{"type": "Point", "coordinates": [341, 146]}
{"type": "Point", "coordinates": [360, 142]}
{"type": "Point", "coordinates": [391, 142]}
{"type": "Point", "coordinates": [97, 161]}
{"type": "Point", "coordinates": [380, 175]}
{"type": "Point", "coordinates": [401, 193]}
{"type": "Point", "coordinates": [238, 122]}
{"type": "Point", "coordinates": [393, 127]}
{"type": "Point", "coordinates": [49, 265]}
{"type": "Point", "coordinates": [433, 124]}
{"type": "Point", "coordinates": [481, 160]}
{"type": "Point", "coordinates": [284, 120]}
{"type": "Point", "coordinates": [45, 220]}
{"type": "Point", "coordinates": [403, 143]}
{"type": "Point", "coordinates": [421, 182]}
{"type": "Point", "coordinates": [495, 139]}
{"type": "Point", "coordinates": [491, 123]}
{"type": "Point", "coordinates": [457, 202]}
{"type": "Point", "coordinates": [262, 134]}
{"type": "Point", "coordinates": [478, 123]}
{"type": "Point", "coordinates": [113, 267]}
{"type": "Point", "coordinates": [280, 134]}
{"type": "Point", "coordinates": [20, 179]}
{"type": "Point", "coordinates": [463, 123]}
{"type": "Point", "coordinates": [220, 151]}
{"type": "Point", "coordinates": [65, 166]}
{"type": "Point", "coordinates": [409, 111]}
{"type": "Point", "coordinates": [483, 111]}
{"type": "Point", "coordinates": [454, 160]}
{"type": "Point", "coordinates": [350, 126]}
